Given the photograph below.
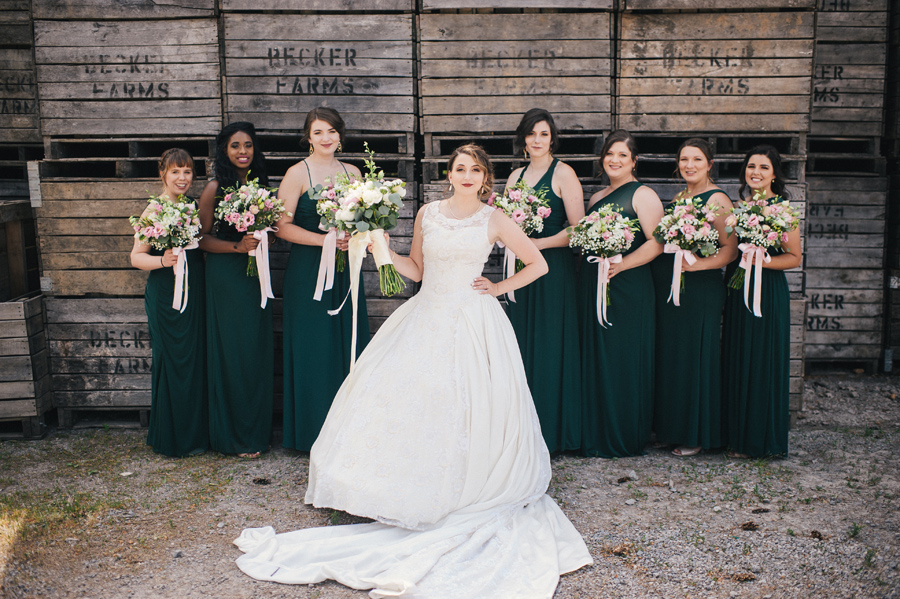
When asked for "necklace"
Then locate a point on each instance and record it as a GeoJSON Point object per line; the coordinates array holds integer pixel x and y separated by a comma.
{"type": "Point", "coordinates": [450, 208]}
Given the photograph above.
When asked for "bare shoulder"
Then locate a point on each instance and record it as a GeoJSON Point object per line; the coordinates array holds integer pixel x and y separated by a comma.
{"type": "Point", "coordinates": [645, 195]}
{"type": "Point", "coordinates": [353, 170]}
{"type": "Point", "coordinates": [514, 176]}
{"type": "Point", "coordinates": [297, 173]}
{"type": "Point", "coordinates": [564, 170]}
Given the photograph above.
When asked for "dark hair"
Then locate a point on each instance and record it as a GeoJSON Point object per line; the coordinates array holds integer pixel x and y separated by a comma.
{"type": "Point", "coordinates": [481, 159]}
{"type": "Point", "coordinates": [778, 185]}
{"type": "Point", "coordinates": [174, 157]}
{"type": "Point", "coordinates": [695, 142]}
{"type": "Point", "coordinates": [323, 113]}
{"type": "Point", "coordinates": [526, 126]}
{"type": "Point", "coordinates": [615, 137]}
{"type": "Point", "coordinates": [226, 173]}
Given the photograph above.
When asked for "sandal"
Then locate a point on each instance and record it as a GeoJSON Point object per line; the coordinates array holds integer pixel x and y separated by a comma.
{"type": "Point", "coordinates": [685, 452]}
{"type": "Point", "coordinates": [250, 456]}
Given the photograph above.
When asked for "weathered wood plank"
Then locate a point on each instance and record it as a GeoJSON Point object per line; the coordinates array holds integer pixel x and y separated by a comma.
{"type": "Point", "coordinates": [846, 129]}
{"type": "Point", "coordinates": [477, 86]}
{"type": "Point", "coordinates": [714, 122]}
{"type": "Point", "coordinates": [844, 278]}
{"type": "Point", "coordinates": [97, 310]}
{"type": "Point", "coordinates": [714, 104]}
{"type": "Point", "coordinates": [709, 49]}
{"type": "Point", "coordinates": [297, 85]}
{"type": "Point", "coordinates": [86, 243]}
{"type": "Point", "coordinates": [19, 408]}
{"type": "Point", "coordinates": [523, 49]}
{"type": "Point", "coordinates": [843, 338]}
{"type": "Point", "coordinates": [124, 109]}
{"type": "Point", "coordinates": [253, 67]}
{"type": "Point", "coordinates": [540, 26]}
{"type": "Point", "coordinates": [184, 125]}
{"type": "Point", "coordinates": [850, 54]}
{"type": "Point", "coordinates": [116, 9]}
{"type": "Point", "coordinates": [718, 26]}
{"type": "Point", "coordinates": [118, 398]}
{"type": "Point", "coordinates": [144, 36]}
{"type": "Point", "coordinates": [295, 104]}
{"type": "Point", "coordinates": [482, 4]}
{"type": "Point", "coordinates": [20, 309]}
{"type": "Point", "coordinates": [100, 382]}
{"type": "Point", "coordinates": [354, 120]}
{"type": "Point", "coordinates": [758, 68]}
{"type": "Point", "coordinates": [98, 62]}
{"type": "Point", "coordinates": [846, 257]}
{"type": "Point", "coordinates": [328, 28]}
{"type": "Point", "coordinates": [509, 122]}
{"type": "Point", "coordinates": [714, 4]}
{"type": "Point", "coordinates": [557, 104]}
{"type": "Point", "coordinates": [518, 67]}
{"type": "Point", "coordinates": [124, 89]}
{"type": "Point", "coordinates": [842, 351]}
{"type": "Point", "coordinates": [316, 5]}
{"type": "Point", "coordinates": [101, 282]}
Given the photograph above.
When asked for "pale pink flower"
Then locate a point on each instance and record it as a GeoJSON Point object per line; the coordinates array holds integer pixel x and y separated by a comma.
{"type": "Point", "coordinates": [688, 229]}
{"type": "Point", "coordinates": [543, 211]}
{"type": "Point", "coordinates": [629, 236]}
{"type": "Point", "coordinates": [731, 220]}
{"type": "Point", "coordinates": [515, 195]}
{"type": "Point", "coordinates": [753, 221]}
{"type": "Point", "coordinates": [518, 215]}
{"type": "Point", "coordinates": [532, 199]}
{"type": "Point", "coordinates": [606, 235]}
{"type": "Point", "coordinates": [784, 237]}
{"type": "Point", "coordinates": [254, 209]}
{"type": "Point", "coordinates": [773, 236]}
{"type": "Point", "coordinates": [490, 201]}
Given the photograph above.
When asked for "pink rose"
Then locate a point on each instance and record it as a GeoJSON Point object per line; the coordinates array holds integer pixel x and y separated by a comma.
{"type": "Point", "coordinates": [490, 201]}
{"type": "Point", "coordinates": [731, 221]}
{"type": "Point", "coordinates": [753, 221]}
{"type": "Point", "coordinates": [515, 195]}
{"type": "Point", "coordinates": [773, 236]}
{"type": "Point", "coordinates": [784, 237]}
{"type": "Point", "coordinates": [532, 199]}
{"type": "Point", "coordinates": [543, 212]}
{"type": "Point", "coordinates": [518, 215]}
{"type": "Point", "coordinates": [672, 233]}
{"type": "Point", "coordinates": [269, 204]}
{"type": "Point", "coordinates": [688, 229]}
{"type": "Point", "coordinates": [629, 236]}
{"type": "Point", "coordinates": [254, 209]}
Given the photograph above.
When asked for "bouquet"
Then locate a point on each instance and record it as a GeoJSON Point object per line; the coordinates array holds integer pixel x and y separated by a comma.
{"type": "Point", "coordinates": [761, 225]}
{"type": "Point", "coordinates": [250, 208]}
{"type": "Point", "coordinates": [168, 225]}
{"type": "Point", "coordinates": [165, 225]}
{"type": "Point", "coordinates": [528, 208]}
{"type": "Point", "coordinates": [685, 230]}
{"type": "Point", "coordinates": [605, 233]}
{"type": "Point", "coordinates": [359, 207]}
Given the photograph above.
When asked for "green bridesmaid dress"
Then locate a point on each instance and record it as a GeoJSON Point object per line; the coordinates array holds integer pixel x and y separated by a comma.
{"type": "Point", "coordinates": [755, 367]}
{"type": "Point", "coordinates": [688, 401]}
{"type": "Point", "coordinates": [240, 349]}
{"type": "Point", "coordinates": [316, 345]}
{"type": "Point", "coordinates": [545, 319]}
{"type": "Point", "coordinates": [617, 362]}
{"type": "Point", "coordinates": [179, 417]}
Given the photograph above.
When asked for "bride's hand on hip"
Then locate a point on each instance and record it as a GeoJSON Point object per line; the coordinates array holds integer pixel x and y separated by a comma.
{"type": "Point", "coordinates": [485, 286]}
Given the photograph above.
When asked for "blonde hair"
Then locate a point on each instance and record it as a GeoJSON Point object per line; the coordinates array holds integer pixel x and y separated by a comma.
{"type": "Point", "coordinates": [481, 158]}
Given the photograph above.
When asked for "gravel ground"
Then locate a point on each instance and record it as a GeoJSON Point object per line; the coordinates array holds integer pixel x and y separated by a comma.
{"type": "Point", "coordinates": [94, 513]}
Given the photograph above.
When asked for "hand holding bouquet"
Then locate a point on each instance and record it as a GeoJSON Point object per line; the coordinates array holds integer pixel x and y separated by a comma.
{"type": "Point", "coordinates": [605, 233]}
{"type": "Point", "coordinates": [168, 225]}
{"type": "Point", "coordinates": [761, 225]}
{"type": "Point", "coordinates": [527, 208]}
{"type": "Point", "coordinates": [686, 229]}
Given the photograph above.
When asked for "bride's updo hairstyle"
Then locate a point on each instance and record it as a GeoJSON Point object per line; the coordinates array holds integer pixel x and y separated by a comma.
{"type": "Point", "coordinates": [476, 153]}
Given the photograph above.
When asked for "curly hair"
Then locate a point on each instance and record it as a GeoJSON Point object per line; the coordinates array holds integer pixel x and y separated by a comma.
{"type": "Point", "coordinates": [481, 158]}
{"type": "Point", "coordinates": [226, 173]}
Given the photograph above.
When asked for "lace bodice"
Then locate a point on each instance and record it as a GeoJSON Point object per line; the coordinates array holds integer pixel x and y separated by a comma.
{"type": "Point", "coordinates": [455, 252]}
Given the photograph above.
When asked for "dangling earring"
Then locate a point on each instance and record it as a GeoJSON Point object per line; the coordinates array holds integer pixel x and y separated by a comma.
{"type": "Point", "coordinates": [311, 149]}
{"type": "Point", "coordinates": [525, 151]}
{"type": "Point", "coordinates": [340, 148]}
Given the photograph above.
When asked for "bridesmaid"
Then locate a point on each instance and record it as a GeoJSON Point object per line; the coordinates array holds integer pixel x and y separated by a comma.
{"type": "Point", "coordinates": [544, 314]}
{"type": "Point", "coordinates": [239, 333]}
{"type": "Point", "coordinates": [178, 400]}
{"type": "Point", "coordinates": [688, 405]}
{"type": "Point", "coordinates": [756, 350]}
{"type": "Point", "coordinates": [316, 345]}
{"type": "Point", "coordinates": [617, 361]}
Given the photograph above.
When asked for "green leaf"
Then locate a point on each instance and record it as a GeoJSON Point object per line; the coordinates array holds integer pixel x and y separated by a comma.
{"type": "Point", "coordinates": [384, 210]}
{"type": "Point", "coordinates": [362, 227]}
{"type": "Point", "coordinates": [368, 213]}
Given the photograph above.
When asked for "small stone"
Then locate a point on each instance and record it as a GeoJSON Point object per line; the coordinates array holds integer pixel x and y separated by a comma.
{"type": "Point", "coordinates": [178, 553]}
{"type": "Point", "coordinates": [629, 502]}
{"type": "Point", "coordinates": [717, 509]}
{"type": "Point", "coordinates": [221, 525]}
{"type": "Point", "coordinates": [733, 594]}
{"type": "Point", "coordinates": [126, 474]}
{"type": "Point", "coordinates": [755, 568]}
{"type": "Point", "coordinates": [633, 475]}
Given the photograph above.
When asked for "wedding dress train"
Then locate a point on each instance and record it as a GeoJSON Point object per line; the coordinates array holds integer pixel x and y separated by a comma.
{"type": "Point", "coordinates": [434, 435]}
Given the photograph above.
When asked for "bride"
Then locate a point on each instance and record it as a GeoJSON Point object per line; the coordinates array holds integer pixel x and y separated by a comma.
{"type": "Point", "coordinates": [434, 434]}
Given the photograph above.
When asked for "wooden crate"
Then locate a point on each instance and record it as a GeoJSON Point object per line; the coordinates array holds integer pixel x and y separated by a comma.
{"type": "Point", "coordinates": [99, 354]}
{"type": "Point", "coordinates": [845, 268]}
{"type": "Point", "coordinates": [19, 121]}
{"type": "Point", "coordinates": [100, 10]}
{"type": "Point", "coordinates": [722, 72]}
{"type": "Point", "coordinates": [128, 77]}
{"type": "Point", "coordinates": [488, 5]}
{"type": "Point", "coordinates": [848, 85]}
{"type": "Point", "coordinates": [24, 366]}
{"type": "Point", "coordinates": [273, 78]}
{"type": "Point", "coordinates": [481, 72]}
{"type": "Point", "coordinates": [715, 4]}
{"type": "Point", "coordinates": [370, 6]}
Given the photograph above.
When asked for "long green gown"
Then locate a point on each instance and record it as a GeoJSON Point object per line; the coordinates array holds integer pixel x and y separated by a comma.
{"type": "Point", "coordinates": [688, 401]}
{"type": "Point", "coordinates": [316, 345]}
{"type": "Point", "coordinates": [179, 417]}
{"type": "Point", "coordinates": [545, 319]}
{"type": "Point", "coordinates": [240, 347]}
{"type": "Point", "coordinates": [617, 362]}
{"type": "Point", "coordinates": [755, 367]}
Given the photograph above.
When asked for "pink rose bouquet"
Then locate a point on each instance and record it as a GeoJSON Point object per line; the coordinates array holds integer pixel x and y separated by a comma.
{"type": "Point", "coordinates": [165, 225]}
{"type": "Point", "coordinates": [527, 208]}
{"type": "Point", "coordinates": [250, 209]}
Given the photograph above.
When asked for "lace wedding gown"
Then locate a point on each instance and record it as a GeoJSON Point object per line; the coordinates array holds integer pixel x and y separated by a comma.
{"type": "Point", "coordinates": [434, 435]}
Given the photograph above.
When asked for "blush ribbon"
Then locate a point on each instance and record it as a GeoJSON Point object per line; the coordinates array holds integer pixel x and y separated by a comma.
{"type": "Point", "coordinates": [180, 300]}
{"type": "Point", "coordinates": [680, 254]}
{"type": "Point", "coordinates": [753, 256]}
{"type": "Point", "coordinates": [261, 253]}
{"type": "Point", "coordinates": [603, 265]}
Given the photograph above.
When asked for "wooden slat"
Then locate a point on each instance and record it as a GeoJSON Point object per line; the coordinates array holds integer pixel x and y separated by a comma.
{"type": "Point", "coordinates": [482, 4]}
{"type": "Point", "coordinates": [715, 4]}
{"type": "Point", "coordinates": [371, 6]}
{"type": "Point", "coordinates": [116, 9]}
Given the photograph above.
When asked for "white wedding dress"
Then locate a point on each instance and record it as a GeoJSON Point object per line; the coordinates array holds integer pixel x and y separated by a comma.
{"type": "Point", "coordinates": [434, 435]}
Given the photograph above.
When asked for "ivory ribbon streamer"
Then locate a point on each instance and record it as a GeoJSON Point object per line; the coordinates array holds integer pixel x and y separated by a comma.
{"type": "Point", "coordinates": [602, 283]}
{"type": "Point", "coordinates": [675, 291]}
{"type": "Point", "coordinates": [261, 253]}
{"type": "Point", "coordinates": [359, 242]}
{"type": "Point", "coordinates": [325, 280]}
{"type": "Point", "coordinates": [753, 255]}
{"type": "Point", "coordinates": [509, 267]}
{"type": "Point", "coordinates": [179, 302]}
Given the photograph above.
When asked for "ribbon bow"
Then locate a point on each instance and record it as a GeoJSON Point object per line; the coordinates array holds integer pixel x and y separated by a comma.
{"type": "Point", "coordinates": [356, 249]}
{"type": "Point", "coordinates": [261, 253]}
{"type": "Point", "coordinates": [753, 255]}
{"type": "Point", "coordinates": [687, 256]}
{"type": "Point", "coordinates": [602, 284]}
{"type": "Point", "coordinates": [325, 278]}
{"type": "Point", "coordinates": [179, 302]}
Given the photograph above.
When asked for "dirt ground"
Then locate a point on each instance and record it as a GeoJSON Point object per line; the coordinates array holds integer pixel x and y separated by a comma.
{"type": "Point", "coordinates": [94, 513]}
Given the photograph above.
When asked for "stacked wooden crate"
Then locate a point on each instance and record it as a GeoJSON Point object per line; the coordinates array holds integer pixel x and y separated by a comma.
{"type": "Point", "coordinates": [848, 187]}
{"type": "Point", "coordinates": [892, 150]}
{"type": "Point", "coordinates": [118, 84]}
{"type": "Point", "coordinates": [24, 368]}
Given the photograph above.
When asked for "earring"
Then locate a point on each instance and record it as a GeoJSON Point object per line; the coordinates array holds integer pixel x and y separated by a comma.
{"type": "Point", "coordinates": [340, 148]}
{"type": "Point", "coordinates": [525, 151]}
{"type": "Point", "coordinates": [311, 149]}
{"type": "Point", "coordinates": [450, 189]}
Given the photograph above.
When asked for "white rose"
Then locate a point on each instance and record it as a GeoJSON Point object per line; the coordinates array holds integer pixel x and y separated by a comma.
{"type": "Point", "coordinates": [371, 196]}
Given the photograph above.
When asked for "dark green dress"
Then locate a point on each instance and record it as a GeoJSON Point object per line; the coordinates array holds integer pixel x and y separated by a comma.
{"type": "Point", "coordinates": [179, 417]}
{"type": "Point", "coordinates": [545, 319]}
{"type": "Point", "coordinates": [617, 362]}
{"type": "Point", "coordinates": [316, 345]}
{"type": "Point", "coordinates": [755, 367]}
{"type": "Point", "coordinates": [240, 346]}
{"type": "Point", "coordinates": [688, 405]}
